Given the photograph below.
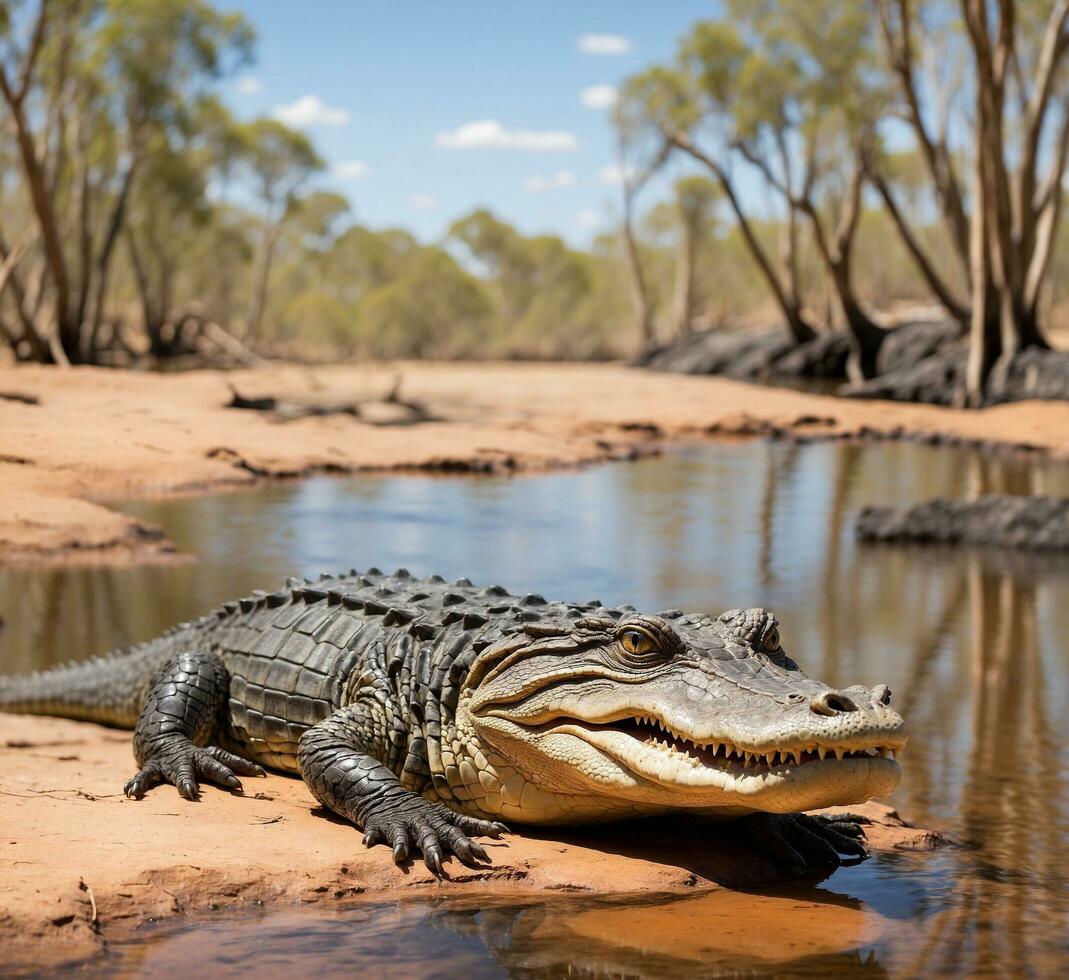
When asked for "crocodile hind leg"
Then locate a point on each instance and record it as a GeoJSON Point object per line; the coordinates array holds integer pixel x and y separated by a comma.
{"type": "Point", "coordinates": [805, 843]}
{"type": "Point", "coordinates": [182, 711]}
{"type": "Point", "coordinates": [337, 760]}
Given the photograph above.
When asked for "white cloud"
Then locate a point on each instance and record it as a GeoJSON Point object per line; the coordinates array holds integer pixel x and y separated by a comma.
{"type": "Point", "coordinates": [350, 169]}
{"type": "Point", "coordinates": [422, 202]}
{"type": "Point", "coordinates": [588, 218]}
{"type": "Point", "coordinates": [614, 174]}
{"type": "Point", "coordinates": [603, 44]}
{"type": "Point", "coordinates": [561, 179]}
{"type": "Point", "coordinates": [249, 85]}
{"type": "Point", "coordinates": [598, 96]}
{"type": "Point", "coordinates": [310, 110]}
{"type": "Point", "coordinates": [489, 134]}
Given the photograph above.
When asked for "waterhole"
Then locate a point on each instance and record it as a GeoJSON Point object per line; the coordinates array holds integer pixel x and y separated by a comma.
{"type": "Point", "coordinates": [974, 644]}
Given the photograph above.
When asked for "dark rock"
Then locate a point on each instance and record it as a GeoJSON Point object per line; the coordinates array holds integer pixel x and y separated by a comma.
{"type": "Point", "coordinates": [746, 355]}
{"type": "Point", "coordinates": [1034, 373]}
{"type": "Point", "coordinates": [910, 343]}
{"type": "Point", "coordinates": [761, 360]}
{"type": "Point", "coordinates": [824, 356]}
{"type": "Point", "coordinates": [1036, 523]}
{"type": "Point", "coordinates": [937, 380]}
{"type": "Point", "coordinates": [707, 351]}
{"type": "Point", "coordinates": [940, 379]}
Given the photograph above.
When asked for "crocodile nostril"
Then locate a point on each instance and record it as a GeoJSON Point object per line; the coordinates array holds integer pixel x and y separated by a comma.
{"type": "Point", "coordinates": [881, 693]}
{"type": "Point", "coordinates": [831, 703]}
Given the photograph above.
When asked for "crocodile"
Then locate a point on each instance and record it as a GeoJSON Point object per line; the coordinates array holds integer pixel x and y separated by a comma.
{"type": "Point", "coordinates": [428, 713]}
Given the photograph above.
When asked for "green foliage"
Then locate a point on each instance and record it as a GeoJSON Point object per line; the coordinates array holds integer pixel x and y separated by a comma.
{"type": "Point", "coordinates": [280, 160]}
{"type": "Point", "coordinates": [660, 100]}
{"type": "Point", "coordinates": [143, 199]}
{"type": "Point", "coordinates": [154, 54]}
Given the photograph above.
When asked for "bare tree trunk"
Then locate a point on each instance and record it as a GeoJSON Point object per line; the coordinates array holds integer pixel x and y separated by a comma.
{"type": "Point", "coordinates": [640, 298]}
{"type": "Point", "coordinates": [789, 303]}
{"type": "Point", "coordinates": [1017, 222]}
{"type": "Point", "coordinates": [687, 261]}
{"type": "Point", "coordinates": [263, 278]}
{"type": "Point", "coordinates": [957, 310]}
{"type": "Point", "coordinates": [67, 327]}
{"type": "Point", "coordinates": [866, 335]}
{"type": "Point", "coordinates": [103, 264]}
{"type": "Point", "coordinates": [934, 148]}
{"type": "Point", "coordinates": [38, 347]}
{"type": "Point", "coordinates": [640, 295]}
{"type": "Point", "coordinates": [984, 337]}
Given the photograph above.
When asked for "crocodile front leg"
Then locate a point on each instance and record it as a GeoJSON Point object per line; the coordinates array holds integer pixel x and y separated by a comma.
{"type": "Point", "coordinates": [336, 761]}
{"type": "Point", "coordinates": [181, 713]}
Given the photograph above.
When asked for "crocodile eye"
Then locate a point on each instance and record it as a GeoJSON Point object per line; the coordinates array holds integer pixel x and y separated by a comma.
{"type": "Point", "coordinates": [638, 642]}
{"type": "Point", "coordinates": [771, 641]}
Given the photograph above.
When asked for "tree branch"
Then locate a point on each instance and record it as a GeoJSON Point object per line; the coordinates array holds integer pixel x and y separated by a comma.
{"type": "Point", "coordinates": [934, 152]}
{"type": "Point", "coordinates": [1047, 220]}
{"type": "Point", "coordinates": [788, 304]}
{"type": "Point", "coordinates": [959, 311]}
{"type": "Point", "coordinates": [36, 42]}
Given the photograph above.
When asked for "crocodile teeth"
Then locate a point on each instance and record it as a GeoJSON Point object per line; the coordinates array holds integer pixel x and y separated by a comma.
{"type": "Point", "coordinates": [821, 751]}
{"type": "Point", "coordinates": [839, 753]}
{"type": "Point", "coordinates": [887, 754]}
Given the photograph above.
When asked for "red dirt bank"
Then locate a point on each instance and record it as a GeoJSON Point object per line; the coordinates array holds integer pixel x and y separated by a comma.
{"type": "Point", "coordinates": [81, 864]}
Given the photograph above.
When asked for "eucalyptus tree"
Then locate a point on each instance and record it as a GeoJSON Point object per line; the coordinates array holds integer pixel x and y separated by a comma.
{"type": "Point", "coordinates": [1021, 144]}
{"type": "Point", "coordinates": [696, 199]}
{"type": "Point", "coordinates": [281, 161]}
{"type": "Point", "coordinates": [988, 114]}
{"type": "Point", "coordinates": [547, 295]}
{"type": "Point", "coordinates": [432, 308]}
{"type": "Point", "coordinates": [690, 106]}
{"type": "Point", "coordinates": [795, 85]}
{"type": "Point", "coordinates": [174, 214]}
{"type": "Point", "coordinates": [636, 165]}
{"type": "Point", "coordinates": [87, 85]}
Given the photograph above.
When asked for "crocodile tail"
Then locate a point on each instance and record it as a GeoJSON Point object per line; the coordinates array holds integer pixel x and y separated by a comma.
{"type": "Point", "coordinates": [108, 690]}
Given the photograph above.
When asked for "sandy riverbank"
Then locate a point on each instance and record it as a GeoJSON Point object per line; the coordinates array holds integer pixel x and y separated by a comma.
{"type": "Point", "coordinates": [64, 824]}
{"type": "Point", "coordinates": [71, 438]}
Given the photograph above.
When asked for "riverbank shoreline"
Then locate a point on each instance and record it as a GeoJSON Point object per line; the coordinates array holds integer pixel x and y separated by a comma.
{"type": "Point", "coordinates": [71, 438]}
{"type": "Point", "coordinates": [84, 866]}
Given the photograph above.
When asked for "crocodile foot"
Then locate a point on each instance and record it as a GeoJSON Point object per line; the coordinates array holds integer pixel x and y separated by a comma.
{"type": "Point", "coordinates": [807, 844]}
{"type": "Point", "coordinates": [432, 830]}
{"type": "Point", "coordinates": [176, 760]}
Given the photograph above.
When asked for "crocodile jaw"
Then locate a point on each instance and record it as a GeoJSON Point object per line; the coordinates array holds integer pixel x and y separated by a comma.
{"type": "Point", "coordinates": [780, 787]}
{"type": "Point", "coordinates": [658, 773]}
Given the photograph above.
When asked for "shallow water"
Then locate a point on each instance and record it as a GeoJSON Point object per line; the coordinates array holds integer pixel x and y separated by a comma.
{"type": "Point", "coordinates": [975, 646]}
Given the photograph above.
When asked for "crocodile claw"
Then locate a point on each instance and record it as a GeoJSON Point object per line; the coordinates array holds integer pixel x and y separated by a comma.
{"type": "Point", "coordinates": [807, 844]}
{"type": "Point", "coordinates": [434, 831]}
{"type": "Point", "coordinates": [181, 763]}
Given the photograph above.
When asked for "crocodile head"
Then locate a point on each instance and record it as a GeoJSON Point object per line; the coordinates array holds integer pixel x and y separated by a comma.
{"type": "Point", "coordinates": [655, 713]}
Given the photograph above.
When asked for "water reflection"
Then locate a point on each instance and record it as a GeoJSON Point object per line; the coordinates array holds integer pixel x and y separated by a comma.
{"type": "Point", "coordinates": [718, 934]}
{"type": "Point", "coordinates": [975, 645]}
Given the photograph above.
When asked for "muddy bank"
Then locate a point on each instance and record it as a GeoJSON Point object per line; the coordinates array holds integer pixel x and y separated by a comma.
{"type": "Point", "coordinates": [81, 863]}
{"type": "Point", "coordinates": [73, 438]}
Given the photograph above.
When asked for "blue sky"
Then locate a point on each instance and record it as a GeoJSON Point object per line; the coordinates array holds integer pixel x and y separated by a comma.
{"type": "Point", "coordinates": [389, 92]}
